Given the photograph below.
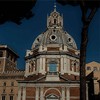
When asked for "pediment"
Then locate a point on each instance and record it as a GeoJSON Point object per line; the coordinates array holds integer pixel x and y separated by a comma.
{"type": "Point", "coordinates": [52, 96]}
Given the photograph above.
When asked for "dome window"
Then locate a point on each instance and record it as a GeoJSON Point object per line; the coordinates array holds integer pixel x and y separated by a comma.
{"type": "Point", "coordinates": [53, 30]}
{"type": "Point", "coordinates": [38, 39]}
{"type": "Point", "coordinates": [54, 21]}
{"type": "Point", "coordinates": [53, 37]}
{"type": "Point", "coordinates": [69, 39]}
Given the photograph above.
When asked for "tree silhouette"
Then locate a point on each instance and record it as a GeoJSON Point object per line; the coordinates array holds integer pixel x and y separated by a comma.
{"type": "Point", "coordinates": [85, 5]}
{"type": "Point", "coordinates": [15, 10]}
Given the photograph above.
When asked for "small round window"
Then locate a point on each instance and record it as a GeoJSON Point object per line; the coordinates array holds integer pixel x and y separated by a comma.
{"type": "Point", "coordinates": [69, 39]}
{"type": "Point", "coordinates": [53, 37]}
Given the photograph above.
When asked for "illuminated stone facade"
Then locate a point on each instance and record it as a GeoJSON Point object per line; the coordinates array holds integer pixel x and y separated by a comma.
{"type": "Point", "coordinates": [52, 65]}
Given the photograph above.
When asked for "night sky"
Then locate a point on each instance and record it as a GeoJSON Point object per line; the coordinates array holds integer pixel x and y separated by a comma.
{"type": "Point", "coordinates": [21, 37]}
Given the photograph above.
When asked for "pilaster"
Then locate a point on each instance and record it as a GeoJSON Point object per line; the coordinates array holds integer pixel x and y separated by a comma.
{"type": "Point", "coordinates": [27, 68]}
{"type": "Point", "coordinates": [19, 93]}
{"type": "Point", "coordinates": [62, 65]}
{"type": "Point", "coordinates": [63, 93]}
{"type": "Point", "coordinates": [37, 93]}
{"type": "Point", "coordinates": [41, 64]}
{"type": "Point", "coordinates": [68, 65]}
{"type": "Point", "coordinates": [67, 93]}
{"type": "Point", "coordinates": [24, 93]}
{"type": "Point", "coordinates": [65, 64]}
{"type": "Point", "coordinates": [41, 93]}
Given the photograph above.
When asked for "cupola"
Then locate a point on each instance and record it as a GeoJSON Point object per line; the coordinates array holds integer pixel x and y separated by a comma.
{"type": "Point", "coordinates": [54, 35]}
{"type": "Point", "coordinates": [55, 19]}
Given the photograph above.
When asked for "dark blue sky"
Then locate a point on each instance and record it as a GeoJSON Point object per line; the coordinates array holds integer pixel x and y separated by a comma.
{"type": "Point", "coordinates": [21, 37]}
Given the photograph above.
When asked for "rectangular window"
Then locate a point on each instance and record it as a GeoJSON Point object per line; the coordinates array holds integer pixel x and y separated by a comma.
{"type": "Point", "coordinates": [14, 59]}
{"type": "Point", "coordinates": [55, 21]}
{"type": "Point", "coordinates": [0, 62]}
{"type": "Point", "coordinates": [12, 83]}
{"type": "Point", "coordinates": [11, 90]}
{"type": "Point", "coordinates": [88, 68]}
{"type": "Point", "coordinates": [52, 67]}
{"type": "Point", "coordinates": [11, 58]}
{"type": "Point", "coordinates": [4, 84]}
{"type": "Point", "coordinates": [11, 97]}
{"type": "Point", "coordinates": [3, 90]}
{"type": "Point", "coordinates": [8, 55]}
{"type": "Point", "coordinates": [3, 97]}
{"type": "Point", "coordinates": [1, 53]}
{"type": "Point", "coordinates": [95, 68]}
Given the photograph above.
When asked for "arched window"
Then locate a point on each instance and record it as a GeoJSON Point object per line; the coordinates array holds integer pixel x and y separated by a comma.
{"type": "Point", "coordinates": [54, 21]}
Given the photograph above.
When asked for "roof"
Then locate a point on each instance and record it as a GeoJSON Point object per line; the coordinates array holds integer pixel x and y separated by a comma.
{"type": "Point", "coordinates": [39, 78]}
{"type": "Point", "coordinates": [5, 47]}
{"type": "Point", "coordinates": [12, 74]}
{"type": "Point", "coordinates": [93, 63]}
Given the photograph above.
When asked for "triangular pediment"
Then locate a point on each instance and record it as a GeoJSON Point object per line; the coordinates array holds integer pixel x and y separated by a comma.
{"type": "Point", "coordinates": [52, 96]}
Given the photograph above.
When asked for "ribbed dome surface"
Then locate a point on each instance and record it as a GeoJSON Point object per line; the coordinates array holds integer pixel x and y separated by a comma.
{"type": "Point", "coordinates": [54, 36]}
{"type": "Point", "coordinates": [54, 33]}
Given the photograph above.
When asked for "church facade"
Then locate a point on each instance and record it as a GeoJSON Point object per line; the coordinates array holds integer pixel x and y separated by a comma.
{"type": "Point", "coordinates": [52, 65]}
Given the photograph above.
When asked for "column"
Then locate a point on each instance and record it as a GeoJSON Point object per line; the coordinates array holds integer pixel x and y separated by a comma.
{"type": "Point", "coordinates": [27, 68]}
{"type": "Point", "coordinates": [67, 93]}
{"type": "Point", "coordinates": [41, 64]}
{"type": "Point", "coordinates": [37, 93]}
{"type": "Point", "coordinates": [24, 93]}
{"type": "Point", "coordinates": [41, 94]}
{"type": "Point", "coordinates": [63, 93]}
{"type": "Point", "coordinates": [65, 64]}
{"type": "Point", "coordinates": [62, 65]}
{"type": "Point", "coordinates": [19, 93]}
{"type": "Point", "coordinates": [68, 65]}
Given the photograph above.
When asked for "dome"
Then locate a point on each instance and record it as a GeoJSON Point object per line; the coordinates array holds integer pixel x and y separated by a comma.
{"type": "Point", "coordinates": [54, 34]}
{"type": "Point", "coordinates": [53, 52]}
